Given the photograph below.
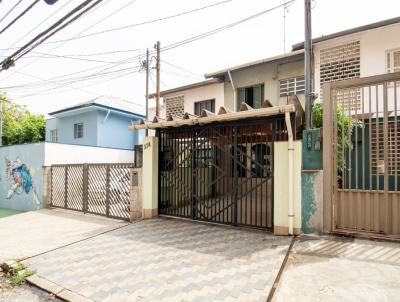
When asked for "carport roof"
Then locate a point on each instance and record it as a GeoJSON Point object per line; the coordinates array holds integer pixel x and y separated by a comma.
{"type": "Point", "coordinates": [224, 115]}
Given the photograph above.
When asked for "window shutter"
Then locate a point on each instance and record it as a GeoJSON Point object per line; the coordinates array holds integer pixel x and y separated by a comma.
{"type": "Point", "coordinates": [396, 60]}
{"type": "Point", "coordinates": [240, 97]}
{"type": "Point", "coordinates": [257, 95]}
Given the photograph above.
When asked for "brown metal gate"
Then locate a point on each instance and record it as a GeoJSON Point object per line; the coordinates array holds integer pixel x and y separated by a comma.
{"type": "Point", "coordinates": [102, 189]}
{"type": "Point", "coordinates": [362, 156]}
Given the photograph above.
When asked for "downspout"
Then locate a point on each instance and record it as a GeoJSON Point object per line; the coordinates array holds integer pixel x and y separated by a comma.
{"type": "Point", "coordinates": [106, 117]}
{"type": "Point", "coordinates": [234, 91]}
{"type": "Point", "coordinates": [291, 176]}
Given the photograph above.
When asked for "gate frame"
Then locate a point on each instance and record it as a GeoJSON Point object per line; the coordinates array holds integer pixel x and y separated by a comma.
{"type": "Point", "coordinates": [329, 218]}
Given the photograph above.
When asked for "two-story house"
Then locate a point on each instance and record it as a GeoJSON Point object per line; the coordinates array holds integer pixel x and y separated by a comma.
{"type": "Point", "coordinates": [101, 122]}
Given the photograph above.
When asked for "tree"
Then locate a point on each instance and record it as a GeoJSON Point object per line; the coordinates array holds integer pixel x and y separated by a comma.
{"type": "Point", "coordinates": [20, 125]}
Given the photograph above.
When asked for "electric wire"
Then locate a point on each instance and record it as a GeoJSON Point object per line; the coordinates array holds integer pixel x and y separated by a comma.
{"type": "Point", "coordinates": [191, 39]}
{"type": "Point", "coordinates": [80, 9]}
{"type": "Point", "coordinates": [35, 27]}
{"type": "Point", "coordinates": [19, 16]}
{"type": "Point", "coordinates": [143, 23]}
{"type": "Point", "coordinates": [9, 12]}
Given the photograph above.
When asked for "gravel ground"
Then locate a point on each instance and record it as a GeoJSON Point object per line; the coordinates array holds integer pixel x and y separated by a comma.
{"type": "Point", "coordinates": [22, 293]}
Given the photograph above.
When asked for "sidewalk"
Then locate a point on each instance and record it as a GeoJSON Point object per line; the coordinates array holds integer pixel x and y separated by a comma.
{"type": "Point", "coordinates": [32, 233]}
{"type": "Point", "coordinates": [340, 269]}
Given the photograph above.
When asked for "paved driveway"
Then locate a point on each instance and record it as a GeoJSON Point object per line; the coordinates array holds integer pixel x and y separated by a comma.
{"type": "Point", "coordinates": [31, 233]}
{"type": "Point", "coordinates": [167, 260]}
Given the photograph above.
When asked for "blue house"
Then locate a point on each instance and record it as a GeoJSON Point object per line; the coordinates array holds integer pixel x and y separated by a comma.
{"type": "Point", "coordinates": [101, 122]}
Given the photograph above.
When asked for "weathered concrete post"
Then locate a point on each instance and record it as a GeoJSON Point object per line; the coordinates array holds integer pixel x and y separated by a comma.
{"type": "Point", "coordinates": [150, 177]}
{"type": "Point", "coordinates": [136, 194]}
{"type": "Point", "coordinates": [46, 186]}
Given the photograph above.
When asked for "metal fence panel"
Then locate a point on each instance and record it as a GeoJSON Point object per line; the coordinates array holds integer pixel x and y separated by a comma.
{"type": "Point", "coordinates": [102, 189]}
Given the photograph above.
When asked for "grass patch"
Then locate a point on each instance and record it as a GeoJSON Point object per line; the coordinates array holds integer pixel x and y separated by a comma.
{"type": "Point", "coordinates": [19, 273]}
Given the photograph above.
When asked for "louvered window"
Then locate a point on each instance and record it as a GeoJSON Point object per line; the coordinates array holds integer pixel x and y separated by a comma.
{"type": "Point", "coordinates": [393, 60]}
{"type": "Point", "coordinates": [291, 86]}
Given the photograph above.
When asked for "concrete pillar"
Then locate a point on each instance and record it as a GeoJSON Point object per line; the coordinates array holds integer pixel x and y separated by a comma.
{"type": "Point", "coordinates": [150, 177]}
{"type": "Point", "coordinates": [136, 194]}
{"type": "Point", "coordinates": [281, 192]}
{"type": "Point", "coordinates": [46, 174]}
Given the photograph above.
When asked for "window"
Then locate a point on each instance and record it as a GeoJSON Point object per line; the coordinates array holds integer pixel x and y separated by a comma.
{"type": "Point", "coordinates": [393, 60]}
{"type": "Point", "coordinates": [174, 106]}
{"type": "Point", "coordinates": [208, 105]}
{"type": "Point", "coordinates": [78, 130]}
{"type": "Point", "coordinates": [252, 95]}
{"type": "Point", "coordinates": [54, 135]}
{"type": "Point", "coordinates": [291, 86]}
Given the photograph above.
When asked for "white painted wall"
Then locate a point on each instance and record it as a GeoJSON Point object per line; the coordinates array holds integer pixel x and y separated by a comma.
{"type": "Point", "coordinates": [76, 154]}
{"type": "Point", "coordinates": [373, 46]}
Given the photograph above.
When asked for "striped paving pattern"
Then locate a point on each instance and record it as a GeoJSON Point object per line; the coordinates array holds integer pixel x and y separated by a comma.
{"type": "Point", "coordinates": [168, 260]}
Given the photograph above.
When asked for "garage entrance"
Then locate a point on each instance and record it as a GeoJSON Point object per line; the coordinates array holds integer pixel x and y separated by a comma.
{"type": "Point", "coordinates": [220, 172]}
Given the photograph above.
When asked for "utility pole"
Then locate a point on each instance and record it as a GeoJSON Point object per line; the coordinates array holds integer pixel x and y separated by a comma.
{"type": "Point", "coordinates": [147, 85]}
{"type": "Point", "coordinates": [157, 46]}
{"type": "Point", "coordinates": [308, 63]}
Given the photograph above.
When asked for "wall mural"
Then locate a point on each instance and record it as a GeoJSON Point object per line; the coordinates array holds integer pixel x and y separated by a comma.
{"type": "Point", "coordinates": [20, 178]}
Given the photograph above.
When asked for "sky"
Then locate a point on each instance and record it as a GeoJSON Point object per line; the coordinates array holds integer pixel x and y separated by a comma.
{"type": "Point", "coordinates": [55, 74]}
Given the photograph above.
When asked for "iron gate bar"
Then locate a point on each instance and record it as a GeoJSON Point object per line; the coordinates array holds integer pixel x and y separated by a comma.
{"type": "Point", "coordinates": [195, 161]}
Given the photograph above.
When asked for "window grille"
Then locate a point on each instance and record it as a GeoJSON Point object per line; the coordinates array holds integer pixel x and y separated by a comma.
{"type": "Point", "coordinates": [291, 86]}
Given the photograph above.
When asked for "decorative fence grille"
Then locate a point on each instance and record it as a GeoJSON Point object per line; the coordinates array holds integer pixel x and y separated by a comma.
{"type": "Point", "coordinates": [102, 189]}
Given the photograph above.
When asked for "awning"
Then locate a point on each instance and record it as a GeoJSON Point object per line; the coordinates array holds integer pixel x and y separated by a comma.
{"type": "Point", "coordinates": [223, 115]}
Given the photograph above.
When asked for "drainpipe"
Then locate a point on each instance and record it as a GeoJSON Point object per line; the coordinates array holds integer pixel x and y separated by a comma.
{"type": "Point", "coordinates": [291, 176]}
{"type": "Point", "coordinates": [234, 91]}
{"type": "Point", "coordinates": [106, 117]}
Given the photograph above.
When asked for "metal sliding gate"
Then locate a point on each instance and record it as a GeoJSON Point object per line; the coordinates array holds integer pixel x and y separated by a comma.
{"type": "Point", "coordinates": [102, 189]}
{"type": "Point", "coordinates": [362, 136]}
{"type": "Point", "coordinates": [220, 173]}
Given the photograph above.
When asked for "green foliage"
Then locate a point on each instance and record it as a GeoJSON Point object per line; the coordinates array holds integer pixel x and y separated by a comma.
{"type": "Point", "coordinates": [19, 273]}
{"type": "Point", "coordinates": [345, 127]}
{"type": "Point", "coordinates": [20, 125]}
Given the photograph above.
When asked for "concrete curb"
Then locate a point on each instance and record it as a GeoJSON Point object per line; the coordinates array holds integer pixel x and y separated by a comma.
{"type": "Point", "coordinates": [59, 291]}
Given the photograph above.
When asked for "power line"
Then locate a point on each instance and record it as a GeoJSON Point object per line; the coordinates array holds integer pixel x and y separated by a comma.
{"type": "Point", "coordinates": [32, 29]}
{"type": "Point", "coordinates": [142, 23]}
{"type": "Point", "coordinates": [19, 16]}
{"type": "Point", "coordinates": [181, 68]}
{"type": "Point", "coordinates": [82, 31]}
{"type": "Point", "coordinates": [42, 55]}
{"type": "Point", "coordinates": [83, 7]}
{"type": "Point", "coordinates": [99, 53]}
{"type": "Point", "coordinates": [222, 28]}
{"type": "Point", "coordinates": [12, 8]}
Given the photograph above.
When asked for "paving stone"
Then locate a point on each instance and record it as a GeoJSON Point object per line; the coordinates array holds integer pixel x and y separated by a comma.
{"type": "Point", "coordinates": [168, 260]}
